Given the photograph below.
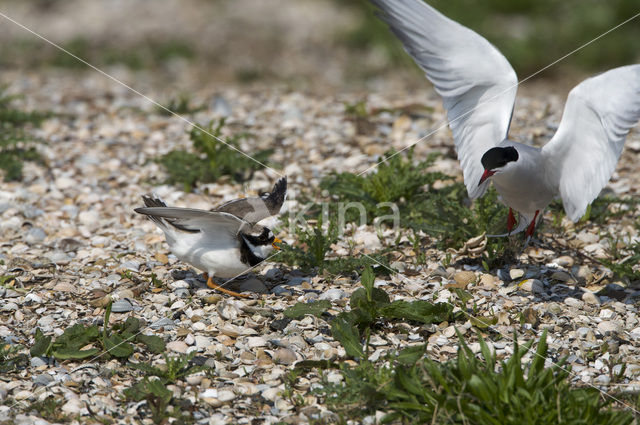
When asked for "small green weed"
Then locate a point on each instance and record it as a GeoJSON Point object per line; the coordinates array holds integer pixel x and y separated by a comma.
{"type": "Point", "coordinates": [153, 386]}
{"type": "Point", "coordinates": [11, 359]}
{"type": "Point", "coordinates": [116, 341]}
{"type": "Point", "coordinates": [50, 409]}
{"type": "Point", "coordinates": [624, 262]}
{"type": "Point", "coordinates": [211, 159]}
{"type": "Point", "coordinates": [181, 105]}
{"type": "Point", "coordinates": [312, 248]}
{"type": "Point", "coordinates": [175, 367]}
{"type": "Point", "coordinates": [16, 140]}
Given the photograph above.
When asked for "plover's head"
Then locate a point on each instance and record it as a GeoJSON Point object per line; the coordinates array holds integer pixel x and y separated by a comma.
{"type": "Point", "coordinates": [261, 241]}
{"type": "Point", "coordinates": [497, 160]}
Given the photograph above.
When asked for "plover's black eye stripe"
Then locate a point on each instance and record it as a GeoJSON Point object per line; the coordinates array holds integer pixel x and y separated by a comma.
{"type": "Point", "coordinates": [499, 157]}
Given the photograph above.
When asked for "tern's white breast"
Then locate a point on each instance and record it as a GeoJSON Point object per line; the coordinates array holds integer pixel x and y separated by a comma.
{"type": "Point", "coordinates": [523, 185]}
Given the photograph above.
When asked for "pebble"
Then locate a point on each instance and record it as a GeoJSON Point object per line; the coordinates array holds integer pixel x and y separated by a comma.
{"type": "Point", "coordinates": [226, 395]}
{"type": "Point", "coordinates": [35, 235]}
{"type": "Point", "coordinates": [121, 306]}
{"type": "Point", "coordinates": [573, 302]}
{"type": "Point", "coordinates": [43, 379]}
{"type": "Point", "coordinates": [165, 322]}
{"type": "Point", "coordinates": [297, 280]}
{"type": "Point", "coordinates": [63, 183]}
{"type": "Point", "coordinates": [516, 274]}
{"type": "Point", "coordinates": [609, 326]}
{"type": "Point", "coordinates": [564, 261]}
{"type": "Point", "coordinates": [271, 393]}
{"type": "Point", "coordinates": [202, 341]}
{"type": "Point", "coordinates": [280, 290]}
{"type": "Point", "coordinates": [256, 341]}
{"type": "Point", "coordinates": [72, 407]}
{"type": "Point", "coordinates": [285, 356]}
{"type": "Point", "coordinates": [488, 281]}
{"type": "Point", "coordinates": [38, 361]}
{"type": "Point", "coordinates": [562, 276]}
{"type": "Point", "coordinates": [532, 285]}
{"type": "Point", "coordinates": [177, 346]}
{"type": "Point", "coordinates": [333, 294]}
{"type": "Point", "coordinates": [64, 287]}
{"type": "Point", "coordinates": [251, 284]}
{"type": "Point", "coordinates": [554, 308]}
{"type": "Point", "coordinates": [10, 306]}
{"type": "Point", "coordinates": [464, 277]}
{"type": "Point", "coordinates": [607, 314]}
{"type": "Point", "coordinates": [590, 298]}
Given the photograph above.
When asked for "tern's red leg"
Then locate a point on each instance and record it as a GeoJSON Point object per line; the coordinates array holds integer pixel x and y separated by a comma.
{"type": "Point", "coordinates": [532, 225]}
{"type": "Point", "coordinates": [212, 285]}
{"type": "Point", "coordinates": [511, 220]}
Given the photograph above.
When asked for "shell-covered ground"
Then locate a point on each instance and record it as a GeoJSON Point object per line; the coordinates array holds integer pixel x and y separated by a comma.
{"type": "Point", "coordinates": [71, 243]}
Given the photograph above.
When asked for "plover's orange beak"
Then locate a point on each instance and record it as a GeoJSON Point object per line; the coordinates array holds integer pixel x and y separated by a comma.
{"type": "Point", "coordinates": [276, 241]}
{"type": "Point", "coordinates": [485, 176]}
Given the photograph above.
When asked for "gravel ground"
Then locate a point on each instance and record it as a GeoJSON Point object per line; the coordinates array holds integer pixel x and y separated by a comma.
{"type": "Point", "coordinates": [69, 234]}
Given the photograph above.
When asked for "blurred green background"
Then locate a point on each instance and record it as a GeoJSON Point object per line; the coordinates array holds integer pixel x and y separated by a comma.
{"type": "Point", "coordinates": [530, 33]}
{"type": "Point", "coordinates": [302, 43]}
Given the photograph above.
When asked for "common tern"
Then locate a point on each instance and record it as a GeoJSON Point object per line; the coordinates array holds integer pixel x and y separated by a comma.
{"type": "Point", "coordinates": [478, 88]}
{"type": "Point", "coordinates": [219, 242]}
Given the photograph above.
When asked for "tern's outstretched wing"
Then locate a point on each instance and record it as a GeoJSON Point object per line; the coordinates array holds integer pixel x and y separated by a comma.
{"type": "Point", "coordinates": [583, 153]}
{"type": "Point", "coordinates": [477, 84]}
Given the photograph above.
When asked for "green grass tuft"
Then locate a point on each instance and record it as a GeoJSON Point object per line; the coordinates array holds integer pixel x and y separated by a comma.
{"type": "Point", "coordinates": [212, 159]}
{"type": "Point", "coordinates": [16, 139]}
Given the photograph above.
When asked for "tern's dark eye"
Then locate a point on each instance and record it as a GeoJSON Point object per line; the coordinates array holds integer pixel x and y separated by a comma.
{"type": "Point", "coordinates": [499, 157]}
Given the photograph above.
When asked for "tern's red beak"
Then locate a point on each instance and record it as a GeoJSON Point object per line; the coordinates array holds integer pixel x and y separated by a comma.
{"type": "Point", "coordinates": [485, 176]}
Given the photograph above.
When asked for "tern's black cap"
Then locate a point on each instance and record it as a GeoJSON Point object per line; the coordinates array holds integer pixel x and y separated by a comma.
{"type": "Point", "coordinates": [498, 157]}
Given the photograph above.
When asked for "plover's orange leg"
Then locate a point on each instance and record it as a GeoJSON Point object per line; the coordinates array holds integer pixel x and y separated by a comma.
{"type": "Point", "coordinates": [219, 288]}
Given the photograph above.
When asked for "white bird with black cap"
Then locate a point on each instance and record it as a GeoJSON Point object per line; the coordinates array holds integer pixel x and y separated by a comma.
{"type": "Point", "coordinates": [478, 89]}
{"type": "Point", "coordinates": [224, 242]}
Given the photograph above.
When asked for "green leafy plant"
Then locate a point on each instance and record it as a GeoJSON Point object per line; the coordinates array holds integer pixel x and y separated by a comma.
{"type": "Point", "coordinates": [370, 307]}
{"type": "Point", "coordinates": [212, 159]}
{"type": "Point", "coordinates": [468, 389]}
{"type": "Point", "coordinates": [16, 138]}
{"type": "Point", "coordinates": [444, 213]}
{"type": "Point", "coordinates": [116, 341]}
{"type": "Point", "coordinates": [155, 393]}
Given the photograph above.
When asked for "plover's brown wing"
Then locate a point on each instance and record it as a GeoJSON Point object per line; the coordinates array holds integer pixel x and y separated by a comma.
{"type": "Point", "coordinates": [194, 221]}
{"type": "Point", "coordinates": [255, 209]}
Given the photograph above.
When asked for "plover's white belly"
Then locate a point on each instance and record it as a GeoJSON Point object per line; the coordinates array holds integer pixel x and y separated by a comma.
{"type": "Point", "coordinates": [218, 258]}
